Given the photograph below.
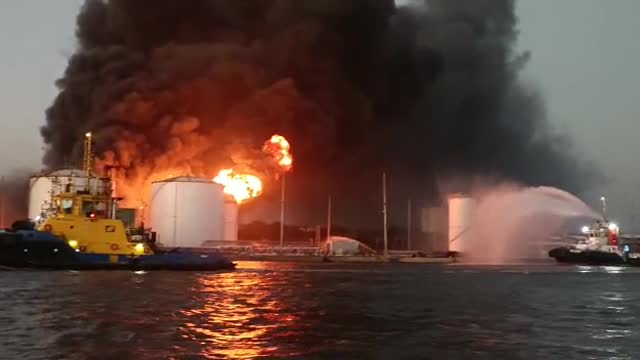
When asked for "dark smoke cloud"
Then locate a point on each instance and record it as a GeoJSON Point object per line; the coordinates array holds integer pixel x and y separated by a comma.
{"type": "Point", "coordinates": [357, 86]}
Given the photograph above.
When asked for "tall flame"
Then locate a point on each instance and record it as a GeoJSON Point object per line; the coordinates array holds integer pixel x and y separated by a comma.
{"type": "Point", "coordinates": [279, 148]}
{"type": "Point", "coordinates": [245, 186]}
{"type": "Point", "coordinates": [241, 186]}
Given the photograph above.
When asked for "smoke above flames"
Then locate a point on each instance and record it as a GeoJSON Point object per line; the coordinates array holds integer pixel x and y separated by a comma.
{"type": "Point", "coordinates": [194, 87]}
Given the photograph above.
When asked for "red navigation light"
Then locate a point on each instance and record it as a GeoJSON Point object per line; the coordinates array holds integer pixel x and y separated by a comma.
{"type": "Point", "coordinates": [92, 215]}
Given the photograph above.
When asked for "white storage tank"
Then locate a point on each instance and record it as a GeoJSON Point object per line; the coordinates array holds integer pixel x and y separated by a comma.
{"type": "Point", "coordinates": [230, 219]}
{"type": "Point", "coordinates": [45, 185]}
{"type": "Point", "coordinates": [187, 211]}
{"type": "Point", "coordinates": [433, 226]}
{"type": "Point", "coordinates": [461, 209]}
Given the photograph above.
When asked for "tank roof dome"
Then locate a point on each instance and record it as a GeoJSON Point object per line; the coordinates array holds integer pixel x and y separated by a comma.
{"type": "Point", "coordinates": [60, 172]}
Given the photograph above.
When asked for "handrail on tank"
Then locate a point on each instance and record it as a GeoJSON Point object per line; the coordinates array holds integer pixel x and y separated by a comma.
{"type": "Point", "coordinates": [459, 234]}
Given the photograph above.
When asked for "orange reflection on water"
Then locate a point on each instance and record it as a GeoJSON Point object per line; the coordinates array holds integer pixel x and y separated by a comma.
{"type": "Point", "coordinates": [239, 315]}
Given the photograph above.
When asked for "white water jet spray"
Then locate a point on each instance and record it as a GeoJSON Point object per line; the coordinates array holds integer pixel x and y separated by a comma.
{"type": "Point", "coordinates": [511, 223]}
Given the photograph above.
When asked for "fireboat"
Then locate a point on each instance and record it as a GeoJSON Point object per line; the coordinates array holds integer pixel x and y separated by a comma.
{"type": "Point", "coordinates": [600, 246]}
{"type": "Point", "coordinates": [81, 232]}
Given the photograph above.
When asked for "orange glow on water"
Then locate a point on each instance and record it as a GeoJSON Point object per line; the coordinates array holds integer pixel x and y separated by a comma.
{"type": "Point", "coordinates": [242, 322]}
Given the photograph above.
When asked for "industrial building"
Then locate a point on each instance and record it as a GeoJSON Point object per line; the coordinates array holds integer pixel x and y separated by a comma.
{"type": "Point", "coordinates": [194, 212]}
{"type": "Point", "coordinates": [185, 211]}
{"type": "Point", "coordinates": [445, 228]}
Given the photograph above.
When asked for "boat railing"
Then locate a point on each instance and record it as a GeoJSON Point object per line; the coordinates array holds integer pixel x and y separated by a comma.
{"type": "Point", "coordinates": [139, 235]}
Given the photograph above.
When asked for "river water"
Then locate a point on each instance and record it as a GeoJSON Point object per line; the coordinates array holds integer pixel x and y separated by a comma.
{"type": "Point", "coordinates": [324, 311]}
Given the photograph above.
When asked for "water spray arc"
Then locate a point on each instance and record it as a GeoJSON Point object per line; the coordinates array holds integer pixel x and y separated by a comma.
{"type": "Point", "coordinates": [511, 223]}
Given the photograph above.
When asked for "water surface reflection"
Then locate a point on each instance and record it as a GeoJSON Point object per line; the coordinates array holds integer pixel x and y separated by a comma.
{"type": "Point", "coordinates": [323, 311]}
{"type": "Point", "coordinates": [244, 315]}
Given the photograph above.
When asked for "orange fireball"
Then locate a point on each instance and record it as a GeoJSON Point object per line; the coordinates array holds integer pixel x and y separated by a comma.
{"type": "Point", "coordinates": [279, 148]}
{"type": "Point", "coordinates": [245, 186]}
{"type": "Point", "coordinates": [241, 186]}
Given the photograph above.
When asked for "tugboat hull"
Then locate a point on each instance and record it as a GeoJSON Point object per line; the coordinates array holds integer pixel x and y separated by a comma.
{"type": "Point", "coordinates": [566, 255]}
{"type": "Point", "coordinates": [42, 250]}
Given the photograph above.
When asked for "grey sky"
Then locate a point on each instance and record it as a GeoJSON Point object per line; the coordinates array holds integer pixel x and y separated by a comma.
{"type": "Point", "coordinates": [585, 55]}
{"type": "Point", "coordinates": [585, 59]}
{"type": "Point", "coordinates": [36, 38]}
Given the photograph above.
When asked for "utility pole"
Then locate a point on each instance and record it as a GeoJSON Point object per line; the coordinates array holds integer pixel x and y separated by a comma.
{"type": "Point", "coordinates": [384, 211]}
{"type": "Point", "coordinates": [329, 220]}
{"type": "Point", "coordinates": [329, 227]}
{"type": "Point", "coordinates": [409, 224]}
{"type": "Point", "coordinates": [633, 214]}
{"type": "Point", "coordinates": [3, 198]}
{"type": "Point", "coordinates": [282, 214]}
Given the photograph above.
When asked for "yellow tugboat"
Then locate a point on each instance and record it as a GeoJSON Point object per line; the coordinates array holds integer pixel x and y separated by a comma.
{"type": "Point", "coordinates": [80, 232]}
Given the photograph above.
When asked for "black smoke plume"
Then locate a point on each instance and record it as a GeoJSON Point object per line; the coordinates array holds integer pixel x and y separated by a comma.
{"type": "Point", "coordinates": [357, 86]}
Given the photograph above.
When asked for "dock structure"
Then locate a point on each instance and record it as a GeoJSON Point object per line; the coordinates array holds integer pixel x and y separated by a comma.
{"type": "Point", "coordinates": [270, 251]}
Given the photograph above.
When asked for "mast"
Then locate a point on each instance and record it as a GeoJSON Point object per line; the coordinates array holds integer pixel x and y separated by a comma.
{"type": "Point", "coordinates": [633, 212]}
{"type": "Point", "coordinates": [282, 214]}
{"type": "Point", "coordinates": [3, 198]}
{"type": "Point", "coordinates": [604, 208]}
{"type": "Point", "coordinates": [409, 224]}
{"type": "Point", "coordinates": [329, 219]}
{"type": "Point", "coordinates": [384, 211]}
{"type": "Point", "coordinates": [87, 161]}
{"type": "Point", "coordinates": [329, 227]}
{"type": "Point", "coordinates": [88, 155]}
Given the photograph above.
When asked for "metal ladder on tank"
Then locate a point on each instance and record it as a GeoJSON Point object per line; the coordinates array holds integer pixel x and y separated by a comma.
{"type": "Point", "coordinates": [460, 234]}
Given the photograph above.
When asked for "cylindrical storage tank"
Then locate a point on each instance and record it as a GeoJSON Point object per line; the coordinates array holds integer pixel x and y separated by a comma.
{"type": "Point", "coordinates": [40, 188]}
{"type": "Point", "coordinates": [43, 186]}
{"type": "Point", "coordinates": [433, 226]}
{"type": "Point", "coordinates": [460, 216]}
{"type": "Point", "coordinates": [230, 220]}
{"type": "Point", "coordinates": [187, 211]}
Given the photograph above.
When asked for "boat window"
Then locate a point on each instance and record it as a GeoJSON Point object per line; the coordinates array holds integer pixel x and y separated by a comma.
{"type": "Point", "coordinates": [87, 207]}
{"type": "Point", "coordinates": [100, 208]}
{"type": "Point", "coordinates": [67, 206]}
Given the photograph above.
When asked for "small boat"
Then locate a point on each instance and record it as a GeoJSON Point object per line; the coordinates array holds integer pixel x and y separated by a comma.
{"type": "Point", "coordinates": [81, 232]}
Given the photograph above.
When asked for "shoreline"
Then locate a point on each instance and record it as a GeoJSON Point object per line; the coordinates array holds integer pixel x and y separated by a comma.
{"type": "Point", "coordinates": [342, 259]}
